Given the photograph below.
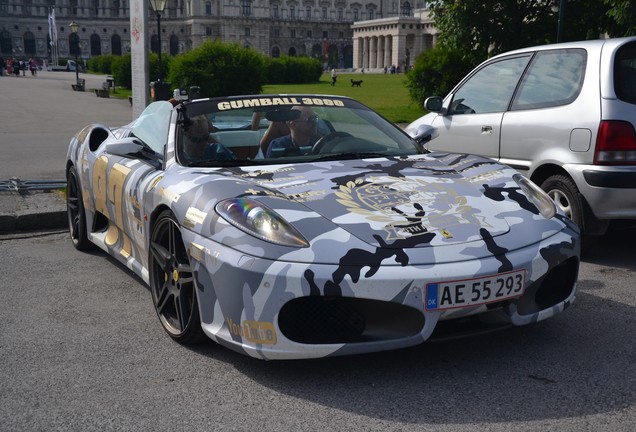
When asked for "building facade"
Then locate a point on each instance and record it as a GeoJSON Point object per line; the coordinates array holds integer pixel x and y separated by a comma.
{"type": "Point", "coordinates": [393, 42]}
{"type": "Point", "coordinates": [321, 29]}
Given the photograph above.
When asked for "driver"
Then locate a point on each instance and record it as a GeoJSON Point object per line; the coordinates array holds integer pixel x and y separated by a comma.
{"type": "Point", "coordinates": [199, 145]}
{"type": "Point", "coordinates": [302, 132]}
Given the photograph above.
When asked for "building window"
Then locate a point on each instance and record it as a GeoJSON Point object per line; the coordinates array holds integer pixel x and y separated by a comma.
{"type": "Point", "coordinates": [341, 35]}
{"type": "Point", "coordinates": [275, 11]}
{"type": "Point", "coordinates": [208, 8]}
{"type": "Point", "coordinates": [355, 14]}
{"type": "Point", "coordinates": [246, 7]}
{"type": "Point", "coordinates": [292, 12]}
{"type": "Point", "coordinates": [340, 14]}
{"type": "Point", "coordinates": [292, 33]}
{"type": "Point", "coordinates": [174, 45]}
{"type": "Point", "coordinates": [115, 43]}
{"type": "Point", "coordinates": [208, 31]}
{"type": "Point", "coordinates": [308, 12]}
{"type": "Point", "coordinates": [324, 13]}
{"type": "Point", "coordinates": [276, 32]}
{"type": "Point", "coordinates": [275, 52]}
{"type": "Point", "coordinates": [247, 31]}
{"type": "Point", "coordinates": [309, 34]}
{"type": "Point", "coordinates": [325, 35]}
{"type": "Point", "coordinates": [371, 14]}
{"type": "Point", "coordinates": [406, 9]}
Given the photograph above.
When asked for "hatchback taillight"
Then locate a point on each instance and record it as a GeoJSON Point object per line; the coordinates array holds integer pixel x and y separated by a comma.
{"type": "Point", "coordinates": [615, 143]}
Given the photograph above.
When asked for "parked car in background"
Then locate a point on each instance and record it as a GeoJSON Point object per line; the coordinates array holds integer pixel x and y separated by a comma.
{"type": "Point", "coordinates": [563, 115]}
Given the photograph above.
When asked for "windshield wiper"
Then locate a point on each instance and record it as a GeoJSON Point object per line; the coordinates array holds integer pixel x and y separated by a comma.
{"type": "Point", "coordinates": [352, 155]}
{"type": "Point", "coordinates": [223, 163]}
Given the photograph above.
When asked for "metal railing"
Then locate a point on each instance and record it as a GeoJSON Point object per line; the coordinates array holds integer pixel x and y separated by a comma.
{"type": "Point", "coordinates": [16, 184]}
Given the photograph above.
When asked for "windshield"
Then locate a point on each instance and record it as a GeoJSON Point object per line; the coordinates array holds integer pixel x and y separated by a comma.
{"type": "Point", "coordinates": [151, 127]}
{"type": "Point", "coordinates": [282, 129]}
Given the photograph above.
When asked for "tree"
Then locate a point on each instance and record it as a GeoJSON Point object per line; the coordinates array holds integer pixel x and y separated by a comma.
{"type": "Point", "coordinates": [436, 72]}
{"type": "Point", "coordinates": [623, 17]}
{"type": "Point", "coordinates": [482, 29]}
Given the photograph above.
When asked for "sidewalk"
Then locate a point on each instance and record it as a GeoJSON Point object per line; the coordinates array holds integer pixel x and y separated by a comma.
{"type": "Point", "coordinates": [35, 128]}
{"type": "Point", "coordinates": [36, 211]}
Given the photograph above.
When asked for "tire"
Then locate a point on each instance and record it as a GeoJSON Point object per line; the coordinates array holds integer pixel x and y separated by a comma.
{"type": "Point", "coordinates": [76, 213]}
{"type": "Point", "coordinates": [172, 282]}
{"type": "Point", "coordinates": [565, 194]}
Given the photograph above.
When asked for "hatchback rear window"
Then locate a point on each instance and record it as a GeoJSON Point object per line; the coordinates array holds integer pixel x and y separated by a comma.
{"type": "Point", "coordinates": [554, 78]}
{"type": "Point", "coordinates": [625, 73]}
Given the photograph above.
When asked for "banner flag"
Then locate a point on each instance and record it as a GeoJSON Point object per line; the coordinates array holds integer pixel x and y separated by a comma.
{"type": "Point", "coordinates": [52, 28]}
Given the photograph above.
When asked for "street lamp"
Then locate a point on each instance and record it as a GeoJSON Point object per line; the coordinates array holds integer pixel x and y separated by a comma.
{"type": "Point", "coordinates": [158, 6]}
{"type": "Point", "coordinates": [74, 28]}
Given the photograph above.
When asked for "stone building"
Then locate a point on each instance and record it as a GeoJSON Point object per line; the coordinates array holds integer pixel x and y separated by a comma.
{"type": "Point", "coordinates": [393, 42]}
{"type": "Point", "coordinates": [325, 29]}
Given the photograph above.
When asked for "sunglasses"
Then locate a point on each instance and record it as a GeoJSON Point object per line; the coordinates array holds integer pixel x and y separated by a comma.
{"type": "Point", "coordinates": [310, 119]}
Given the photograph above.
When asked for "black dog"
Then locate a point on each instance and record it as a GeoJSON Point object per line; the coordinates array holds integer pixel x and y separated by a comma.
{"type": "Point", "coordinates": [355, 83]}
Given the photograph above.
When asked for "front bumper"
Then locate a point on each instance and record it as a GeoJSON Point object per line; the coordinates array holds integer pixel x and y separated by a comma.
{"type": "Point", "coordinates": [285, 310]}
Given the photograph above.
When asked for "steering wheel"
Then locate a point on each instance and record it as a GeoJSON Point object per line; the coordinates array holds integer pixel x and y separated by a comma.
{"type": "Point", "coordinates": [331, 139]}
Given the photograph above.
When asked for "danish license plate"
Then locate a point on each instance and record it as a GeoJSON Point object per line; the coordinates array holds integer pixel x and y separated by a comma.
{"type": "Point", "coordinates": [477, 291]}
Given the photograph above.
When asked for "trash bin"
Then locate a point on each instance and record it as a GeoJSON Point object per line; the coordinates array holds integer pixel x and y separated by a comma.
{"type": "Point", "coordinates": [160, 91]}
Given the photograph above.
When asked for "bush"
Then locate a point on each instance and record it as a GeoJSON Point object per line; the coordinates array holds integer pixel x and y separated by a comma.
{"type": "Point", "coordinates": [121, 69]}
{"type": "Point", "coordinates": [219, 69]}
{"type": "Point", "coordinates": [101, 64]}
{"type": "Point", "coordinates": [436, 72]}
{"type": "Point", "coordinates": [153, 66]}
{"type": "Point", "coordinates": [293, 70]}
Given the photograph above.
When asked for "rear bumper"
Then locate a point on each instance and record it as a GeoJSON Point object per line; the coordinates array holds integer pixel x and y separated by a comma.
{"type": "Point", "coordinates": [609, 191]}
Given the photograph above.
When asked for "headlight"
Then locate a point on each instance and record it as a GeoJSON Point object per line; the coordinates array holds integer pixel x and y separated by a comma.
{"type": "Point", "coordinates": [539, 198]}
{"type": "Point", "coordinates": [260, 221]}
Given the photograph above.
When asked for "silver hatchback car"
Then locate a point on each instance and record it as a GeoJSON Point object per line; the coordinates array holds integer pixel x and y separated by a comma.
{"type": "Point", "coordinates": [564, 115]}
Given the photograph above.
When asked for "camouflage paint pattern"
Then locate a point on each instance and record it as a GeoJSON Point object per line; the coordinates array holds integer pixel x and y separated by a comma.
{"type": "Point", "coordinates": [380, 228]}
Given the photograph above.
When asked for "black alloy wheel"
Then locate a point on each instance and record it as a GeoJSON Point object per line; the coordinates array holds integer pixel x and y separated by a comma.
{"type": "Point", "coordinates": [172, 282]}
{"type": "Point", "coordinates": [75, 212]}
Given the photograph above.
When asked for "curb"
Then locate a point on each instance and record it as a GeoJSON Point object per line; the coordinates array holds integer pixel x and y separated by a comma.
{"type": "Point", "coordinates": [30, 212]}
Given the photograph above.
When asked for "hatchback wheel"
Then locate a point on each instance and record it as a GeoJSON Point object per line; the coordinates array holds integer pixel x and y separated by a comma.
{"type": "Point", "coordinates": [565, 194]}
{"type": "Point", "coordinates": [172, 282]}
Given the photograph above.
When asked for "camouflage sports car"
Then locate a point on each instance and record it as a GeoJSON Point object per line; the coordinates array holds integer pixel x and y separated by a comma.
{"type": "Point", "coordinates": [303, 226]}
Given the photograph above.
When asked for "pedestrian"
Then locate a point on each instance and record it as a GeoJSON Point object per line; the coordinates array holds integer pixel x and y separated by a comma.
{"type": "Point", "coordinates": [1, 66]}
{"type": "Point", "coordinates": [334, 77]}
{"type": "Point", "coordinates": [33, 66]}
{"type": "Point", "coordinates": [16, 68]}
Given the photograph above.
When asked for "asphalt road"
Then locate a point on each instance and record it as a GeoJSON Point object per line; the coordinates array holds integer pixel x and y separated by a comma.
{"type": "Point", "coordinates": [81, 349]}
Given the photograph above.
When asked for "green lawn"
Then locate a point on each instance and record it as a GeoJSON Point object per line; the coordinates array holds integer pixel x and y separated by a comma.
{"type": "Point", "coordinates": [385, 93]}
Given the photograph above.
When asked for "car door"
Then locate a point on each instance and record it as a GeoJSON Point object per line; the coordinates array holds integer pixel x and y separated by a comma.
{"type": "Point", "coordinates": [471, 119]}
{"type": "Point", "coordinates": [553, 116]}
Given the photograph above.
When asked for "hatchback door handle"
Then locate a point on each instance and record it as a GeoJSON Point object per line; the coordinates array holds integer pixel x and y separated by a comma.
{"type": "Point", "coordinates": [486, 130]}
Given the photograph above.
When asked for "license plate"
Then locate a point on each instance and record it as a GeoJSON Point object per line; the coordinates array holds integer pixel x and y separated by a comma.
{"type": "Point", "coordinates": [477, 291]}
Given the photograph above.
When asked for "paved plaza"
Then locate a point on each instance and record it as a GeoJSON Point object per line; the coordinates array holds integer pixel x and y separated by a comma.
{"type": "Point", "coordinates": [38, 116]}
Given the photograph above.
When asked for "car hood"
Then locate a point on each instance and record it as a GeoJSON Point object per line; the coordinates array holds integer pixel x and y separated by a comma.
{"type": "Point", "coordinates": [411, 202]}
